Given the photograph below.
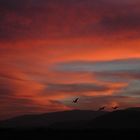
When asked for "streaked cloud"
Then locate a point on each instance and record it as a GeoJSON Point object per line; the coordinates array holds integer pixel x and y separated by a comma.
{"type": "Point", "coordinates": [106, 66]}
{"type": "Point", "coordinates": [55, 50]}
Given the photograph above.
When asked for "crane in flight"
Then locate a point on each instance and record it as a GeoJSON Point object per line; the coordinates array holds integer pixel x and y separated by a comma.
{"type": "Point", "coordinates": [76, 100]}
{"type": "Point", "coordinates": [101, 108]}
{"type": "Point", "coordinates": [115, 107]}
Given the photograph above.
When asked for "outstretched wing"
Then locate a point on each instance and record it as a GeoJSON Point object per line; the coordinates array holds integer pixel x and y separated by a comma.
{"type": "Point", "coordinates": [115, 107]}
{"type": "Point", "coordinates": [76, 100]}
{"type": "Point", "coordinates": [101, 108]}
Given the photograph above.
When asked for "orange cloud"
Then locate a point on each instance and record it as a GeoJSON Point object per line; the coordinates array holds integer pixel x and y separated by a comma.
{"type": "Point", "coordinates": [35, 37]}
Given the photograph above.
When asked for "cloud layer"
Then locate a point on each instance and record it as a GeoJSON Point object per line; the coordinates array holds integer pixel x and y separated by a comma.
{"type": "Point", "coordinates": [53, 51]}
{"type": "Point", "coordinates": [61, 19]}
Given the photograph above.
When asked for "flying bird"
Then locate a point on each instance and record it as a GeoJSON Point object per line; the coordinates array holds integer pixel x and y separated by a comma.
{"type": "Point", "coordinates": [76, 100]}
{"type": "Point", "coordinates": [115, 107]}
{"type": "Point", "coordinates": [101, 108]}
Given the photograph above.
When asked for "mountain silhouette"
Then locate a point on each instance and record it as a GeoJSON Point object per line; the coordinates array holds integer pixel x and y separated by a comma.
{"type": "Point", "coordinates": [121, 119]}
{"type": "Point", "coordinates": [117, 120]}
{"type": "Point", "coordinates": [134, 108]}
{"type": "Point", "coordinates": [78, 120]}
{"type": "Point", "coordinates": [48, 119]}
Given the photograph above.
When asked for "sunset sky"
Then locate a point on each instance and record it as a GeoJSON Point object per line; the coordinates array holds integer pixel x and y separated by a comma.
{"type": "Point", "coordinates": [53, 51]}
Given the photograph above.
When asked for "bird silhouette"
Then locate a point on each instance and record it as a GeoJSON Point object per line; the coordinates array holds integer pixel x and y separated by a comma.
{"type": "Point", "coordinates": [76, 100]}
{"type": "Point", "coordinates": [115, 107]}
{"type": "Point", "coordinates": [101, 108]}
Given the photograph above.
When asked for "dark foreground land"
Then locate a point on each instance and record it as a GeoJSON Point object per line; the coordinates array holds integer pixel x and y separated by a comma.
{"type": "Point", "coordinates": [78, 123]}
{"type": "Point", "coordinates": [70, 134]}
